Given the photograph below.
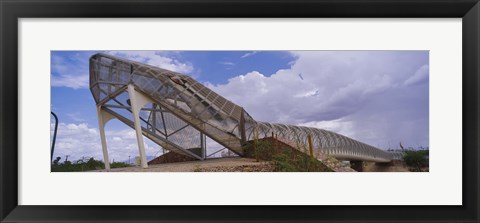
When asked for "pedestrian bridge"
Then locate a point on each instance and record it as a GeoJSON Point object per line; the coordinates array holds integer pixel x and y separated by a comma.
{"type": "Point", "coordinates": [178, 113]}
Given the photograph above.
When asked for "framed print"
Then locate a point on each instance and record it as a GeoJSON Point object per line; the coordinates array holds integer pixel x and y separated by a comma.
{"type": "Point", "coordinates": [239, 111]}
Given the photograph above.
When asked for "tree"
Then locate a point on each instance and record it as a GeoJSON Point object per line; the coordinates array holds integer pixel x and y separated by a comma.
{"type": "Point", "coordinates": [55, 162]}
{"type": "Point", "coordinates": [416, 159]}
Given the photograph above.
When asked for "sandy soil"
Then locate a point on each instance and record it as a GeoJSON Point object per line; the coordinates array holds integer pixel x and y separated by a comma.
{"type": "Point", "coordinates": [371, 167]}
{"type": "Point", "coordinates": [193, 166]}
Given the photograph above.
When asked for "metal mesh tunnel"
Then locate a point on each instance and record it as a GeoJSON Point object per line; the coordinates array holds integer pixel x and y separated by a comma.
{"type": "Point", "coordinates": [327, 142]}
{"type": "Point", "coordinates": [177, 113]}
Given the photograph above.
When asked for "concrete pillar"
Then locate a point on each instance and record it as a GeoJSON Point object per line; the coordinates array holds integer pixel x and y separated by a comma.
{"type": "Point", "coordinates": [203, 146]}
{"type": "Point", "coordinates": [137, 101]}
{"type": "Point", "coordinates": [103, 118]}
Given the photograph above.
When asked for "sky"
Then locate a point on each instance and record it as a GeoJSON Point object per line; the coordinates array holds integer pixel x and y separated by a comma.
{"type": "Point", "coordinates": [377, 97]}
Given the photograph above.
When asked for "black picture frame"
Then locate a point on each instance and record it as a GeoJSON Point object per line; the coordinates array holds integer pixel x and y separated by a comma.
{"type": "Point", "coordinates": [11, 11]}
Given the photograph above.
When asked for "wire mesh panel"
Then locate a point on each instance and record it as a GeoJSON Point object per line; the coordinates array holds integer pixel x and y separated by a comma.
{"type": "Point", "coordinates": [336, 145]}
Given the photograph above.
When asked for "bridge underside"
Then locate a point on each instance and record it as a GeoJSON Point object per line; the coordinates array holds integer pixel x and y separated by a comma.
{"type": "Point", "coordinates": [178, 113]}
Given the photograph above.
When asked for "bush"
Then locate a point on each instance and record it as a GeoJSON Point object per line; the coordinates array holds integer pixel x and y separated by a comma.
{"type": "Point", "coordinates": [261, 151]}
{"type": "Point", "coordinates": [284, 159]}
{"type": "Point", "coordinates": [282, 163]}
{"type": "Point", "coordinates": [264, 150]}
{"type": "Point", "coordinates": [288, 161]}
{"type": "Point", "coordinates": [416, 159]}
{"type": "Point", "coordinates": [82, 165]}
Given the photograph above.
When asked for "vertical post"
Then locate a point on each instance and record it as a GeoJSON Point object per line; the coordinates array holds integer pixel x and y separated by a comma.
{"type": "Point", "coordinates": [136, 106]}
{"type": "Point", "coordinates": [276, 143]}
{"type": "Point", "coordinates": [241, 128]}
{"type": "Point", "coordinates": [54, 136]}
{"type": "Point", "coordinates": [255, 141]}
{"type": "Point", "coordinates": [101, 127]}
{"type": "Point", "coordinates": [273, 143]}
{"type": "Point", "coordinates": [310, 145]}
{"type": "Point", "coordinates": [154, 118]}
{"type": "Point", "coordinates": [202, 145]}
{"type": "Point", "coordinates": [164, 155]}
{"type": "Point", "coordinates": [205, 144]}
{"type": "Point", "coordinates": [163, 123]}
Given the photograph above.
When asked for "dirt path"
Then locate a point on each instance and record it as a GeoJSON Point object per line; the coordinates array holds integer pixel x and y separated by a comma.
{"type": "Point", "coordinates": [211, 165]}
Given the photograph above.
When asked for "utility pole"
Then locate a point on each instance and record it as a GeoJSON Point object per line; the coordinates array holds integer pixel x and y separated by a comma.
{"type": "Point", "coordinates": [54, 136]}
{"type": "Point", "coordinates": [66, 158]}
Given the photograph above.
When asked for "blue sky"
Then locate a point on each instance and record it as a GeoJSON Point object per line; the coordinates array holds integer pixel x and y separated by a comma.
{"type": "Point", "coordinates": [378, 97]}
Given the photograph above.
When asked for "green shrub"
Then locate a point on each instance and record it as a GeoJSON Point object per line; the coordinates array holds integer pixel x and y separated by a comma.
{"type": "Point", "coordinates": [82, 165]}
{"type": "Point", "coordinates": [263, 150]}
{"type": "Point", "coordinates": [282, 162]}
{"type": "Point", "coordinates": [284, 159]}
{"type": "Point", "coordinates": [416, 159]}
{"type": "Point", "coordinates": [288, 161]}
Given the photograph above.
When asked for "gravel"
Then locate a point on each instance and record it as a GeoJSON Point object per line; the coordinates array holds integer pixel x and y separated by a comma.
{"type": "Point", "coordinates": [236, 164]}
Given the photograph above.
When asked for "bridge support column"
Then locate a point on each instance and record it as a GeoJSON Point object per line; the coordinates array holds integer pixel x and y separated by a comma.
{"type": "Point", "coordinates": [137, 101]}
{"type": "Point", "coordinates": [203, 145]}
{"type": "Point", "coordinates": [357, 165]}
{"type": "Point", "coordinates": [103, 118]}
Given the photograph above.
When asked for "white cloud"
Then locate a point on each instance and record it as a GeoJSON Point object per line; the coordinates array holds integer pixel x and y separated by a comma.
{"type": "Point", "coordinates": [249, 54]}
{"type": "Point", "coordinates": [419, 76]}
{"type": "Point", "coordinates": [72, 70]}
{"type": "Point", "coordinates": [75, 81]}
{"type": "Point", "coordinates": [155, 59]}
{"type": "Point", "coordinates": [336, 89]}
{"type": "Point", "coordinates": [324, 90]}
{"type": "Point", "coordinates": [340, 126]}
{"type": "Point", "coordinates": [81, 140]}
{"type": "Point", "coordinates": [228, 63]}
